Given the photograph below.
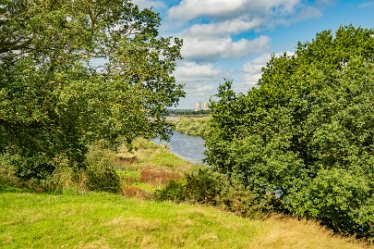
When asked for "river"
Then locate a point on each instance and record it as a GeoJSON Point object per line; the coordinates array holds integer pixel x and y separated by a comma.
{"type": "Point", "coordinates": [189, 148]}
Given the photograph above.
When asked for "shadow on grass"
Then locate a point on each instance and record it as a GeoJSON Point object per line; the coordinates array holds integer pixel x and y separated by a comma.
{"type": "Point", "coordinates": [8, 187]}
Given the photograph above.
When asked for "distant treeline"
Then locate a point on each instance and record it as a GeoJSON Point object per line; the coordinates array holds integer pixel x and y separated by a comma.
{"type": "Point", "coordinates": [192, 125]}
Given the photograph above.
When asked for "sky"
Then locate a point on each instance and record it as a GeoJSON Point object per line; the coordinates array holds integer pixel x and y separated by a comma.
{"type": "Point", "coordinates": [233, 39]}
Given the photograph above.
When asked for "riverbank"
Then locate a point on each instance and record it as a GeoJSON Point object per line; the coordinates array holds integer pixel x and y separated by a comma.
{"type": "Point", "coordinates": [148, 167]}
{"type": "Point", "coordinates": [191, 125]}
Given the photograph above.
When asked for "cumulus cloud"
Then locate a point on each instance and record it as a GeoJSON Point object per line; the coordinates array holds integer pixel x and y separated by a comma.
{"type": "Point", "coordinates": [200, 79]}
{"type": "Point", "coordinates": [190, 9]}
{"type": "Point", "coordinates": [212, 39]}
{"type": "Point", "coordinates": [212, 48]}
{"type": "Point", "coordinates": [191, 71]}
{"type": "Point", "coordinates": [235, 16]}
{"type": "Point", "coordinates": [221, 9]}
{"type": "Point", "coordinates": [213, 31]}
{"type": "Point", "coordinates": [252, 70]}
{"type": "Point", "coordinates": [155, 4]}
{"type": "Point", "coordinates": [234, 26]}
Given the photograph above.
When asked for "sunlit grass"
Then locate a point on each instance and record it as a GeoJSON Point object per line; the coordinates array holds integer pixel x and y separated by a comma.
{"type": "Point", "coordinates": [148, 167]}
{"type": "Point", "coordinates": [100, 220]}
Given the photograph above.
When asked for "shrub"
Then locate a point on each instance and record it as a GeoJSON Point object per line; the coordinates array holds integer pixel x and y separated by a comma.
{"type": "Point", "coordinates": [100, 171]}
{"type": "Point", "coordinates": [208, 187]}
{"type": "Point", "coordinates": [303, 138]}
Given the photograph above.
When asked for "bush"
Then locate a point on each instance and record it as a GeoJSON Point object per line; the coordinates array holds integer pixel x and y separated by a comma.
{"type": "Point", "coordinates": [303, 138]}
{"type": "Point", "coordinates": [340, 201]}
{"type": "Point", "coordinates": [100, 171]}
{"type": "Point", "coordinates": [211, 188]}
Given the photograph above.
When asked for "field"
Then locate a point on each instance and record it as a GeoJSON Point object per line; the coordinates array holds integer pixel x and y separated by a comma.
{"type": "Point", "coordinates": [76, 219]}
{"type": "Point", "coordinates": [101, 220]}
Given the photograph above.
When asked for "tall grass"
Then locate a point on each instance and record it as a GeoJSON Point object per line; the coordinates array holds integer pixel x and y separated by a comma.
{"type": "Point", "coordinates": [102, 220]}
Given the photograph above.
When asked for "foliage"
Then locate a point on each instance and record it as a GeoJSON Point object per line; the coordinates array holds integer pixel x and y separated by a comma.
{"type": "Point", "coordinates": [303, 138]}
{"type": "Point", "coordinates": [212, 188]}
{"type": "Point", "coordinates": [73, 72]}
{"type": "Point", "coordinates": [196, 126]}
{"type": "Point", "coordinates": [101, 174]}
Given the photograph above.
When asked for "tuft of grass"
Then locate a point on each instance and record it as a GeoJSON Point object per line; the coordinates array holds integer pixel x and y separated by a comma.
{"type": "Point", "coordinates": [158, 177]}
{"type": "Point", "coordinates": [102, 220]}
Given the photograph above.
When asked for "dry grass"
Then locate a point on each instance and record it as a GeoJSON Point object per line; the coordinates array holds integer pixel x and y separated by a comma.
{"type": "Point", "coordinates": [148, 167]}
{"type": "Point", "coordinates": [285, 233]}
{"type": "Point", "coordinates": [158, 176]}
{"type": "Point", "coordinates": [136, 192]}
{"type": "Point", "coordinates": [100, 220]}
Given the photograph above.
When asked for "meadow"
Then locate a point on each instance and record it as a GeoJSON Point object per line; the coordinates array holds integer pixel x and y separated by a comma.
{"type": "Point", "coordinates": [78, 218]}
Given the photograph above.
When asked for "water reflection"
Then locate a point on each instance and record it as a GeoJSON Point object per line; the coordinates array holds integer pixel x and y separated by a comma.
{"type": "Point", "coordinates": [190, 148]}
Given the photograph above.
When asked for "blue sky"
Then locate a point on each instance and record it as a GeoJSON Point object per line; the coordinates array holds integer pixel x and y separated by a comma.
{"type": "Point", "coordinates": [235, 38]}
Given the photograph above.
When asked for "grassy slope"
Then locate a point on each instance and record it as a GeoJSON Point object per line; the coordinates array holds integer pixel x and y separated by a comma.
{"type": "Point", "coordinates": [100, 220]}
{"type": "Point", "coordinates": [148, 168]}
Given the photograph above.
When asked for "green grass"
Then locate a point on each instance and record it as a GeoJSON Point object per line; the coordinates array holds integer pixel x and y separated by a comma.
{"type": "Point", "coordinates": [148, 168]}
{"type": "Point", "coordinates": [192, 125]}
{"type": "Point", "coordinates": [100, 220]}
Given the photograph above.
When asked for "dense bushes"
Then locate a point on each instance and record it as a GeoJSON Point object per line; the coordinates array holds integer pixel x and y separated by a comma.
{"type": "Point", "coordinates": [305, 134]}
{"type": "Point", "coordinates": [100, 171]}
{"type": "Point", "coordinates": [212, 188]}
{"type": "Point", "coordinates": [98, 174]}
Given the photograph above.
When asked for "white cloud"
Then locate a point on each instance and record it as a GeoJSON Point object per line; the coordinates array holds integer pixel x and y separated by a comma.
{"type": "Point", "coordinates": [191, 71]}
{"type": "Point", "coordinates": [366, 4]}
{"type": "Point", "coordinates": [252, 70]}
{"type": "Point", "coordinates": [212, 39]}
{"type": "Point", "coordinates": [213, 30]}
{"type": "Point", "coordinates": [221, 9]}
{"type": "Point", "coordinates": [190, 9]}
{"type": "Point", "coordinates": [212, 48]}
{"type": "Point", "coordinates": [225, 17]}
{"type": "Point", "coordinates": [155, 4]}
{"type": "Point", "coordinates": [201, 81]}
{"type": "Point", "coordinates": [234, 26]}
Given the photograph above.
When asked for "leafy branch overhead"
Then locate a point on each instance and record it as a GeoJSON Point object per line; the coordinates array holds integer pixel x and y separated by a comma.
{"type": "Point", "coordinates": [75, 71]}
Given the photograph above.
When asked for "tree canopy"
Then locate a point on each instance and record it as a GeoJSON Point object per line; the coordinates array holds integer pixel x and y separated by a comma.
{"type": "Point", "coordinates": [75, 71]}
{"type": "Point", "coordinates": [303, 138]}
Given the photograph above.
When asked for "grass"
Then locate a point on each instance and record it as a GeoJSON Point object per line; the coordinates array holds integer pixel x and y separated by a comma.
{"type": "Point", "coordinates": [148, 167]}
{"type": "Point", "coordinates": [101, 220]}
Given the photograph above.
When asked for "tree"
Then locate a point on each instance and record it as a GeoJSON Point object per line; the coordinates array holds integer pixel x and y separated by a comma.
{"type": "Point", "coordinates": [303, 138]}
{"type": "Point", "coordinates": [75, 71]}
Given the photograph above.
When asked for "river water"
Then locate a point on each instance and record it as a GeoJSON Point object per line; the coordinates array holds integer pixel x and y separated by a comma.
{"type": "Point", "coordinates": [189, 148]}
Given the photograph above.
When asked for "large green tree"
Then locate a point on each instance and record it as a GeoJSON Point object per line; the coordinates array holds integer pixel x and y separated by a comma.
{"type": "Point", "coordinates": [75, 71]}
{"type": "Point", "coordinates": [303, 139]}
